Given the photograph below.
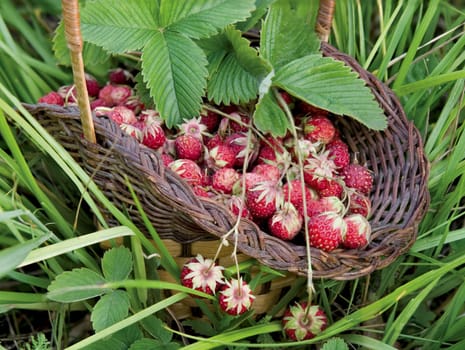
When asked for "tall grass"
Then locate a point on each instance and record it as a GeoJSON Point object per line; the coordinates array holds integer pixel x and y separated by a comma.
{"type": "Point", "coordinates": [415, 47]}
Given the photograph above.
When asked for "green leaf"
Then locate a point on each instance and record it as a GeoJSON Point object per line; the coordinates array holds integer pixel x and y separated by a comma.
{"type": "Point", "coordinates": [261, 7]}
{"type": "Point", "coordinates": [155, 327]}
{"type": "Point", "coordinates": [235, 68]}
{"type": "Point", "coordinates": [174, 69]}
{"type": "Point", "coordinates": [286, 36]}
{"type": "Point", "coordinates": [150, 344]}
{"type": "Point", "coordinates": [202, 18]}
{"type": "Point", "coordinates": [117, 264]}
{"type": "Point", "coordinates": [330, 85]}
{"type": "Point", "coordinates": [335, 344]}
{"type": "Point", "coordinates": [13, 256]}
{"type": "Point", "coordinates": [110, 309]}
{"type": "Point", "coordinates": [76, 285]}
{"type": "Point", "coordinates": [120, 26]}
{"type": "Point", "coordinates": [269, 117]}
{"type": "Point", "coordinates": [92, 54]}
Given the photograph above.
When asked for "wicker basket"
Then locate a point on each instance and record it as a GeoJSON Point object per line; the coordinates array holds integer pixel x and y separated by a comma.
{"type": "Point", "coordinates": [186, 221]}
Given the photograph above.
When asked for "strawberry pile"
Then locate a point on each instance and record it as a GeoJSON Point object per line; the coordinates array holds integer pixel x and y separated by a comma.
{"type": "Point", "coordinates": [256, 175]}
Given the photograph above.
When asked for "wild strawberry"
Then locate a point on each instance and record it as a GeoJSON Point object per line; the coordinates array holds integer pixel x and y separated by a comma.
{"type": "Point", "coordinates": [331, 204]}
{"type": "Point", "coordinates": [359, 203]}
{"type": "Point", "coordinates": [239, 122]}
{"type": "Point", "coordinates": [285, 222]}
{"type": "Point", "coordinates": [188, 170]}
{"type": "Point", "coordinates": [302, 321]}
{"type": "Point", "coordinates": [263, 199]}
{"type": "Point", "coordinates": [357, 176]}
{"type": "Point", "coordinates": [201, 191]}
{"type": "Point", "coordinates": [166, 159]}
{"type": "Point", "coordinates": [358, 231]}
{"type": "Point", "coordinates": [319, 129]}
{"type": "Point", "coordinates": [224, 179]}
{"type": "Point", "coordinates": [339, 153]}
{"type": "Point", "coordinates": [115, 95]}
{"type": "Point", "coordinates": [188, 147]}
{"type": "Point", "coordinates": [237, 206]}
{"type": "Point", "coordinates": [238, 142]}
{"type": "Point", "coordinates": [214, 141]}
{"type": "Point", "coordinates": [250, 180]}
{"type": "Point", "coordinates": [92, 85]}
{"type": "Point", "coordinates": [210, 119]}
{"type": "Point", "coordinates": [221, 156]}
{"type": "Point", "coordinates": [319, 170]}
{"type": "Point", "coordinates": [52, 98]}
{"type": "Point", "coordinates": [134, 130]}
{"type": "Point", "coordinates": [326, 231]}
{"type": "Point", "coordinates": [134, 103]}
{"type": "Point", "coordinates": [235, 297]}
{"type": "Point", "coordinates": [288, 99]}
{"type": "Point", "coordinates": [202, 274]}
{"type": "Point", "coordinates": [271, 172]}
{"type": "Point", "coordinates": [153, 135]}
{"type": "Point", "coordinates": [292, 192]}
{"type": "Point", "coordinates": [98, 102]}
{"type": "Point", "coordinates": [121, 114]}
{"type": "Point", "coordinates": [332, 188]}
{"type": "Point", "coordinates": [68, 92]}
{"type": "Point", "coordinates": [120, 76]}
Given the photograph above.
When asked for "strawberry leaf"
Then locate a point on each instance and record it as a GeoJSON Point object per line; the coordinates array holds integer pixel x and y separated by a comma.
{"type": "Point", "coordinates": [111, 308]}
{"type": "Point", "coordinates": [174, 69]}
{"type": "Point", "coordinates": [286, 35]}
{"type": "Point", "coordinates": [202, 18]}
{"type": "Point", "coordinates": [330, 85]}
{"type": "Point", "coordinates": [76, 285]}
{"type": "Point", "coordinates": [117, 264]}
{"type": "Point", "coordinates": [235, 68]}
{"type": "Point", "coordinates": [269, 117]}
{"type": "Point", "coordinates": [118, 29]}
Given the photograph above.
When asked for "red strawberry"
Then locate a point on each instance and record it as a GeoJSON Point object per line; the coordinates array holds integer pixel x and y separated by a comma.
{"type": "Point", "coordinates": [153, 135]}
{"type": "Point", "coordinates": [224, 179]}
{"type": "Point", "coordinates": [214, 141]}
{"type": "Point", "coordinates": [121, 114]}
{"type": "Point", "coordinates": [237, 206]}
{"type": "Point", "coordinates": [98, 102]}
{"type": "Point", "coordinates": [326, 231]}
{"type": "Point", "coordinates": [134, 130]}
{"type": "Point", "coordinates": [188, 147]}
{"type": "Point", "coordinates": [288, 99]}
{"type": "Point", "coordinates": [221, 156]}
{"type": "Point", "coordinates": [359, 203]}
{"type": "Point", "coordinates": [357, 176]}
{"type": "Point", "coordinates": [201, 191]}
{"type": "Point", "coordinates": [167, 159]}
{"type": "Point", "coordinates": [307, 108]}
{"type": "Point", "coordinates": [52, 98]}
{"type": "Point", "coordinates": [120, 76]}
{"type": "Point", "coordinates": [331, 204]}
{"type": "Point", "coordinates": [271, 172]}
{"type": "Point", "coordinates": [302, 321]}
{"type": "Point", "coordinates": [285, 223]}
{"type": "Point", "coordinates": [339, 152]}
{"type": "Point", "coordinates": [239, 122]}
{"type": "Point", "coordinates": [307, 149]}
{"type": "Point", "coordinates": [115, 95]}
{"type": "Point", "coordinates": [263, 199]}
{"type": "Point", "coordinates": [202, 275]}
{"type": "Point", "coordinates": [292, 192]}
{"type": "Point", "coordinates": [188, 170]}
{"type": "Point", "coordinates": [358, 231]}
{"type": "Point", "coordinates": [235, 297]}
{"type": "Point", "coordinates": [134, 103]}
{"type": "Point", "coordinates": [250, 180]}
{"type": "Point", "coordinates": [92, 85]}
{"type": "Point", "coordinates": [238, 141]}
{"type": "Point", "coordinates": [319, 129]}
{"type": "Point", "coordinates": [319, 170]}
{"type": "Point", "coordinates": [210, 119]}
{"type": "Point", "coordinates": [331, 188]}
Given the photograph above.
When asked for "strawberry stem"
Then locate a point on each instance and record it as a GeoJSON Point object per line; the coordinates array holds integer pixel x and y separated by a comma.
{"type": "Point", "coordinates": [293, 129]}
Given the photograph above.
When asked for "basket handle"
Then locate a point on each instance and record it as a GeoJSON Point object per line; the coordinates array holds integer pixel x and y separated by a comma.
{"type": "Point", "coordinates": [72, 25]}
{"type": "Point", "coordinates": [325, 19]}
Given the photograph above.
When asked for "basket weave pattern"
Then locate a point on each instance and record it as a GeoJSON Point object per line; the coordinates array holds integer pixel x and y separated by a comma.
{"type": "Point", "coordinates": [396, 157]}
